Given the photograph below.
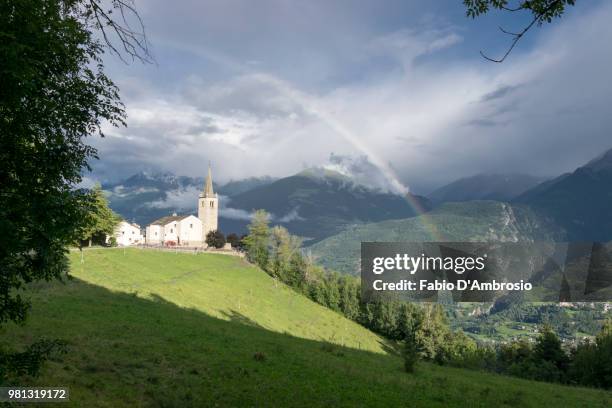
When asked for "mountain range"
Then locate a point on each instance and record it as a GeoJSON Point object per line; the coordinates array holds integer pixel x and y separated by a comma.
{"type": "Point", "coordinates": [314, 203]}
{"type": "Point", "coordinates": [475, 221]}
{"type": "Point", "coordinates": [145, 197]}
{"type": "Point", "coordinates": [318, 203]}
{"type": "Point", "coordinates": [498, 187]}
{"type": "Point", "coordinates": [580, 201]}
{"type": "Point", "coordinates": [575, 206]}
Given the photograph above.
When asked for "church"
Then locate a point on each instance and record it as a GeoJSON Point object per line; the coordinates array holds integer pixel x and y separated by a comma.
{"type": "Point", "coordinates": [188, 230]}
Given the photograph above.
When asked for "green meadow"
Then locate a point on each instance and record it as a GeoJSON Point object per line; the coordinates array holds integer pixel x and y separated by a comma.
{"type": "Point", "coordinates": [163, 329]}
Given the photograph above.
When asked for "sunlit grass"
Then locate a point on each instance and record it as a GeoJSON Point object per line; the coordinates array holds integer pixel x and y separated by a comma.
{"type": "Point", "coordinates": [181, 341]}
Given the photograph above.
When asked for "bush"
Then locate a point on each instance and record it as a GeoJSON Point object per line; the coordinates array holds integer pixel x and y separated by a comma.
{"type": "Point", "coordinates": [215, 239]}
{"type": "Point", "coordinates": [539, 370]}
{"type": "Point", "coordinates": [584, 362]}
{"type": "Point", "coordinates": [592, 361]}
{"type": "Point", "coordinates": [332, 349]}
{"type": "Point", "coordinates": [546, 361]}
{"type": "Point", "coordinates": [259, 356]}
{"type": "Point", "coordinates": [411, 356]}
{"type": "Point", "coordinates": [548, 348]}
{"type": "Point", "coordinates": [235, 241]}
{"type": "Point", "coordinates": [513, 353]}
{"type": "Point", "coordinates": [28, 362]}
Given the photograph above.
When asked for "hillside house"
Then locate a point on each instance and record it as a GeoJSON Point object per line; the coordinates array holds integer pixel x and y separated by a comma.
{"type": "Point", "coordinates": [127, 234]}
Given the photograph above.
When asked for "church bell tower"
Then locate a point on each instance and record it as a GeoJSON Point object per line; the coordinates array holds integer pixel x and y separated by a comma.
{"type": "Point", "coordinates": [208, 207]}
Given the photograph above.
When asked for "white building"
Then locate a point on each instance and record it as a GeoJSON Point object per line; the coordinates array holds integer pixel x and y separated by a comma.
{"type": "Point", "coordinates": [154, 234]}
{"type": "Point", "coordinates": [128, 234]}
{"type": "Point", "coordinates": [175, 230]}
{"type": "Point", "coordinates": [188, 230]}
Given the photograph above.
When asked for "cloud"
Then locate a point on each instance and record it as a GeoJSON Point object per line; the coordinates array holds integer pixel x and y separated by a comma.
{"type": "Point", "coordinates": [243, 215]}
{"type": "Point", "coordinates": [226, 211]}
{"type": "Point", "coordinates": [289, 217]}
{"type": "Point", "coordinates": [360, 171]}
{"type": "Point", "coordinates": [488, 123]}
{"type": "Point", "coordinates": [400, 105]}
{"type": "Point", "coordinates": [235, 214]}
{"type": "Point", "coordinates": [406, 45]}
{"type": "Point", "coordinates": [181, 199]}
{"type": "Point", "coordinates": [500, 92]}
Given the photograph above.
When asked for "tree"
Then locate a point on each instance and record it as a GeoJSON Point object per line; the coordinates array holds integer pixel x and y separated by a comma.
{"type": "Point", "coordinates": [432, 333]}
{"type": "Point", "coordinates": [513, 353]}
{"type": "Point", "coordinates": [215, 239]}
{"type": "Point", "coordinates": [458, 350]}
{"type": "Point", "coordinates": [584, 364]}
{"type": "Point", "coordinates": [592, 361]}
{"type": "Point", "coordinates": [331, 292]}
{"type": "Point", "coordinates": [100, 220]}
{"type": "Point", "coordinates": [542, 11]}
{"type": "Point", "coordinates": [296, 275]}
{"type": "Point", "coordinates": [603, 340]}
{"type": "Point", "coordinates": [408, 321]}
{"type": "Point", "coordinates": [549, 354]}
{"type": "Point", "coordinates": [349, 296]}
{"type": "Point", "coordinates": [53, 94]}
{"type": "Point", "coordinates": [234, 240]}
{"type": "Point", "coordinates": [258, 239]}
{"type": "Point", "coordinates": [283, 247]}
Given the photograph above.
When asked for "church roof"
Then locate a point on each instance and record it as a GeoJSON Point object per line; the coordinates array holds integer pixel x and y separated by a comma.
{"type": "Point", "coordinates": [167, 220]}
{"type": "Point", "coordinates": [208, 187]}
{"type": "Point", "coordinates": [133, 224]}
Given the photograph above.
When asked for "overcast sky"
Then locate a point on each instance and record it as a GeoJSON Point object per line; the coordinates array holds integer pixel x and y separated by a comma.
{"type": "Point", "coordinates": [270, 87]}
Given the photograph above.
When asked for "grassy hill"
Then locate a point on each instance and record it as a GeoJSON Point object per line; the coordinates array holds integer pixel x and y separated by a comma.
{"type": "Point", "coordinates": [221, 286]}
{"type": "Point", "coordinates": [476, 221]}
{"type": "Point", "coordinates": [179, 330]}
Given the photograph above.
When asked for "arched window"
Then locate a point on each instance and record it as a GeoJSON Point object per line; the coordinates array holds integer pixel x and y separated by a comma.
{"type": "Point", "coordinates": [212, 204]}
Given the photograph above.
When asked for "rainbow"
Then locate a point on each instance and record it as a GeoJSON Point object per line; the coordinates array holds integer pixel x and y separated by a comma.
{"type": "Point", "coordinates": [311, 106]}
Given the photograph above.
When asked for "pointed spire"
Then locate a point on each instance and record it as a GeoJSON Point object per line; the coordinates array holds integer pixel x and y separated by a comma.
{"type": "Point", "coordinates": [208, 188]}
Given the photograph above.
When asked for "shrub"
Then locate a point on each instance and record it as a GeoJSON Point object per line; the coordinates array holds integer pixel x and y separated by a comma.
{"type": "Point", "coordinates": [234, 240]}
{"type": "Point", "coordinates": [332, 349]}
{"type": "Point", "coordinates": [30, 361]}
{"type": "Point", "coordinates": [259, 356]}
{"type": "Point", "coordinates": [592, 361]}
{"type": "Point", "coordinates": [583, 368]}
{"type": "Point", "coordinates": [215, 239]}
{"type": "Point", "coordinates": [411, 356]}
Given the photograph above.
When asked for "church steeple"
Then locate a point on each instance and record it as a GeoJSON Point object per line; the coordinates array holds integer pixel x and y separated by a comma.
{"type": "Point", "coordinates": [208, 207]}
{"type": "Point", "coordinates": [208, 187]}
